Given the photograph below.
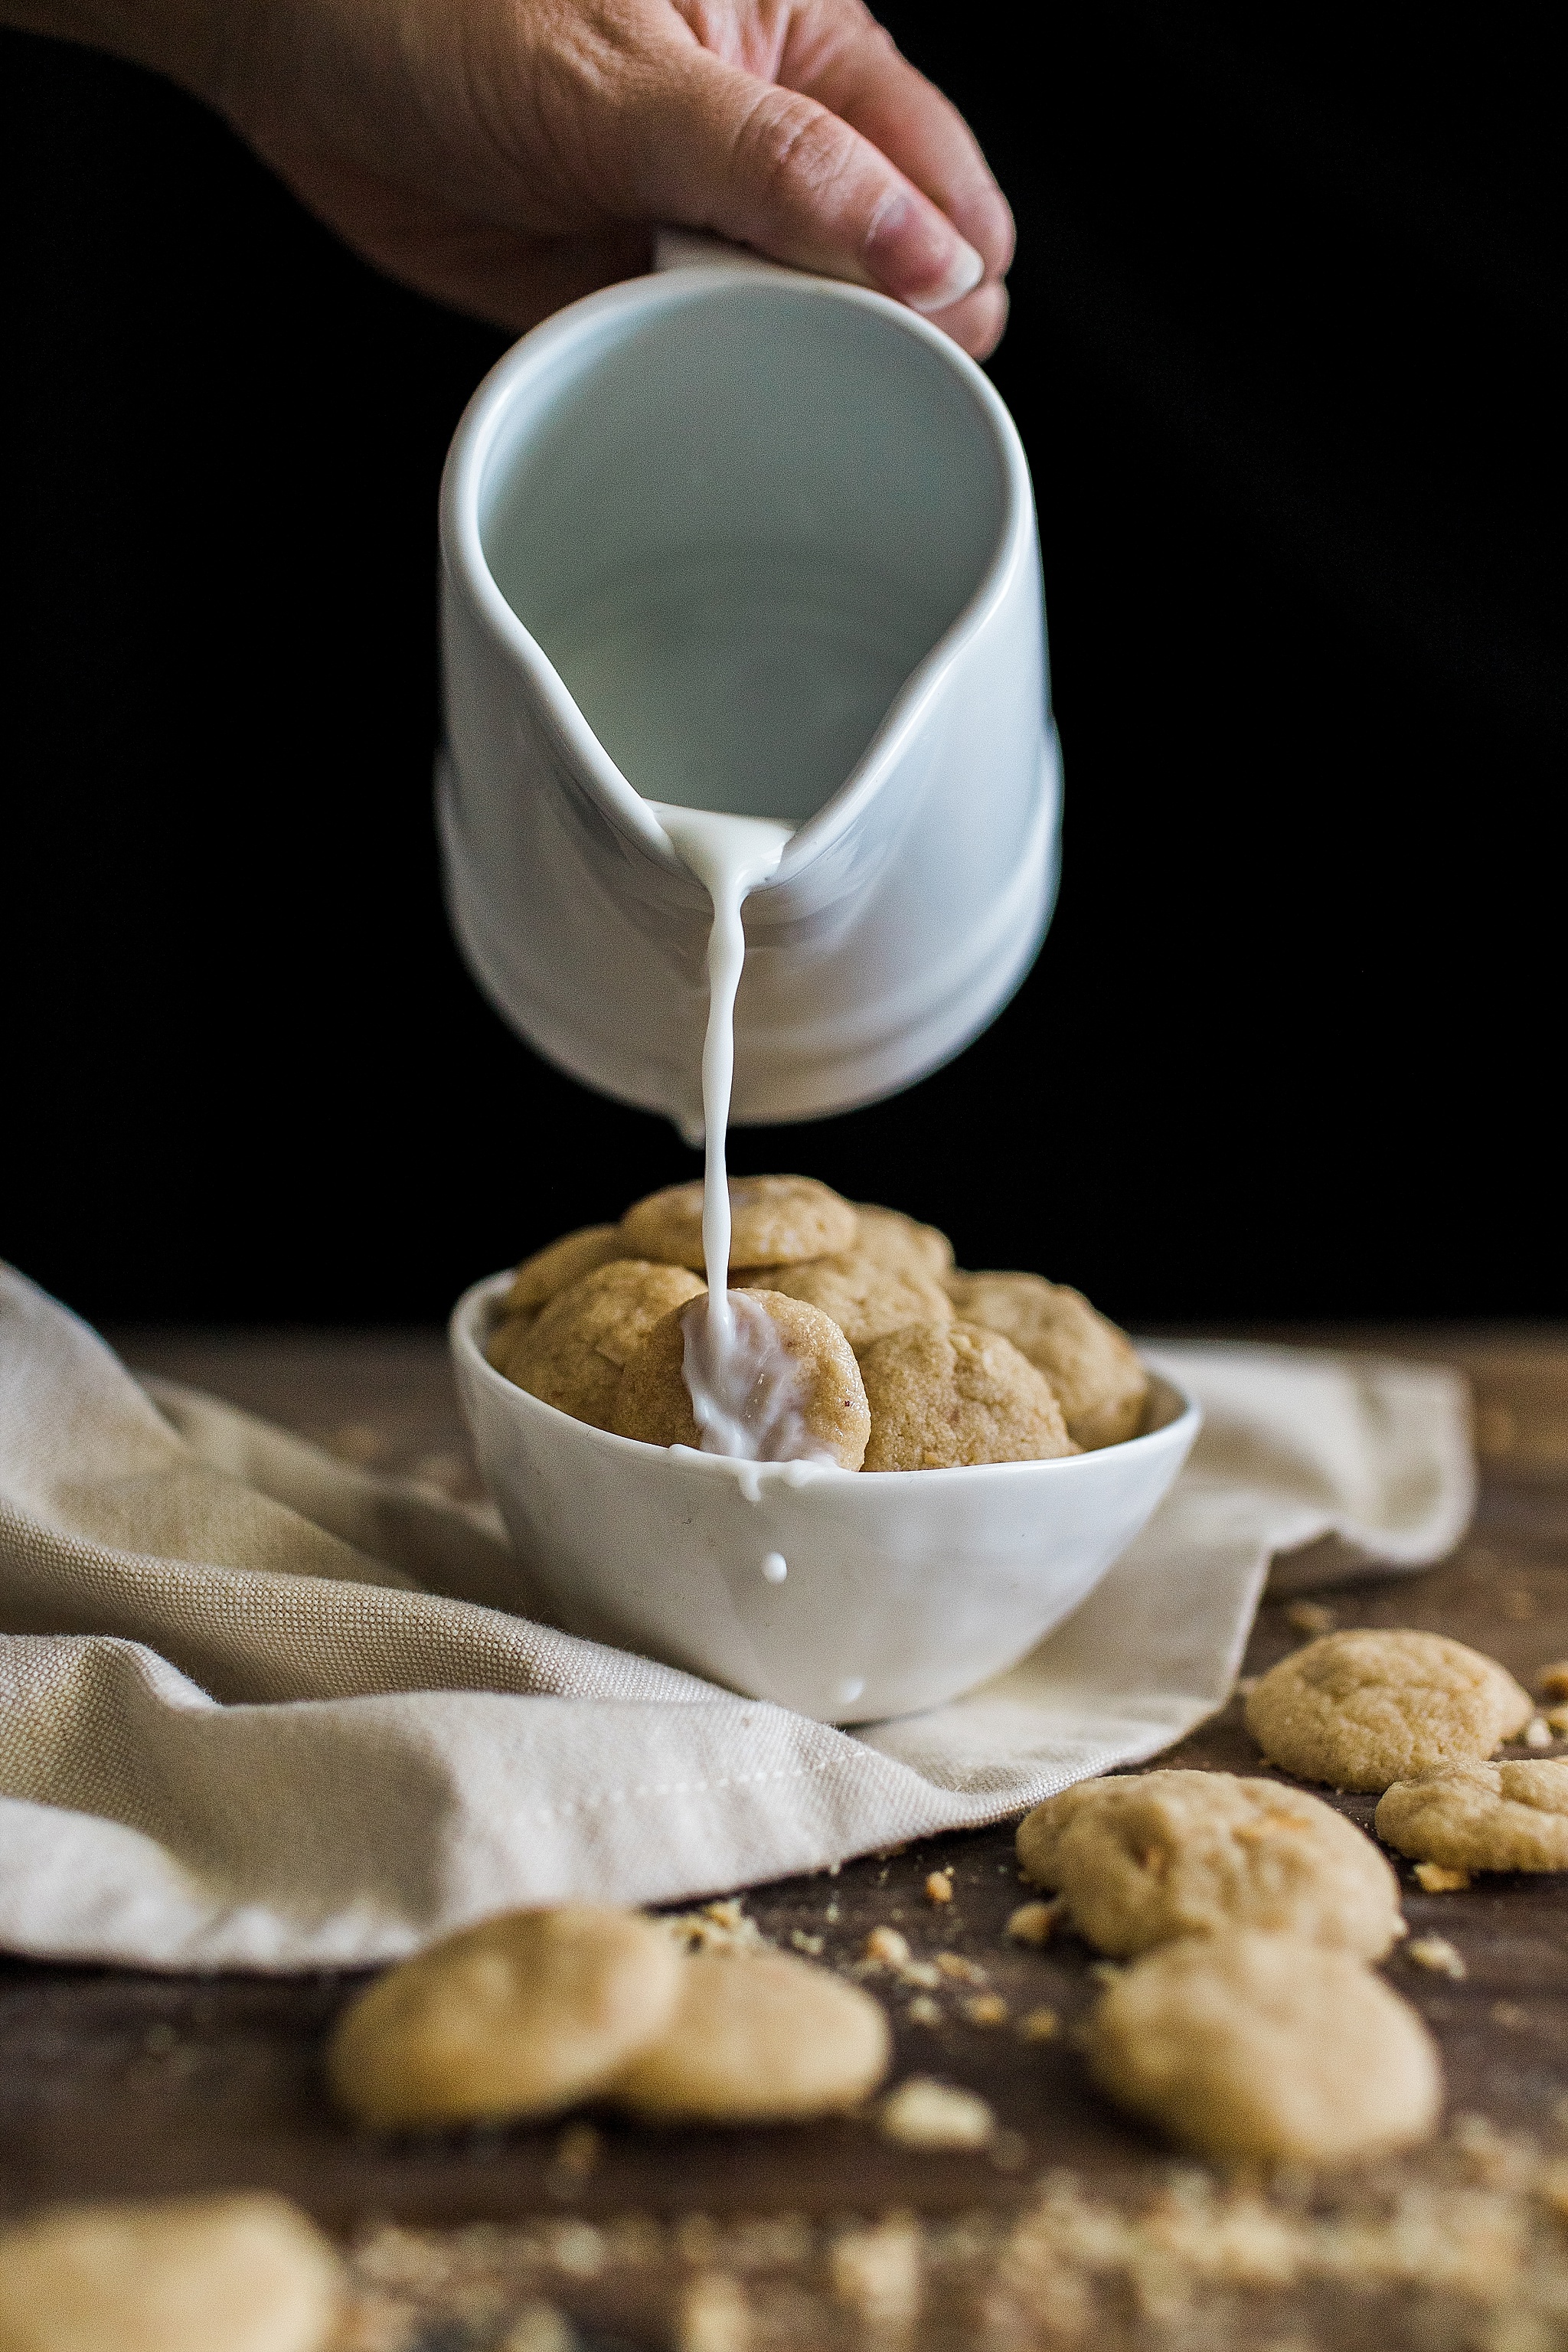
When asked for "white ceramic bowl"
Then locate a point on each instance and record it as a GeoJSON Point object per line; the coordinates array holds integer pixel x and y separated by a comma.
{"type": "Point", "coordinates": [900, 1588]}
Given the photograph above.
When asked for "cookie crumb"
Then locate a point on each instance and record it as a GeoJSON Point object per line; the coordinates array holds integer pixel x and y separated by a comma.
{"type": "Point", "coordinates": [925, 1974]}
{"type": "Point", "coordinates": [985, 2008]}
{"type": "Point", "coordinates": [1537, 1732]}
{"type": "Point", "coordinates": [939, 1886]}
{"type": "Point", "coordinates": [923, 2011]}
{"type": "Point", "coordinates": [1436, 1879]}
{"type": "Point", "coordinates": [1557, 1717]}
{"type": "Point", "coordinates": [1554, 1679]}
{"type": "Point", "coordinates": [1032, 1923]}
{"type": "Point", "coordinates": [810, 1945]}
{"type": "Point", "coordinates": [961, 1972]}
{"type": "Point", "coordinates": [1040, 2025]}
{"type": "Point", "coordinates": [1436, 1953]}
{"type": "Point", "coordinates": [925, 2114]}
{"type": "Point", "coordinates": [1508, 2014]}
{"type": "Point", "coordinates": [887, 1948]}
{"type": "Point", "coordinates": [1311, 1617]}
{"type": "Point", "coordinates": [713, 2314]}
{"type": "Point", "coordinates": [577, 2151]}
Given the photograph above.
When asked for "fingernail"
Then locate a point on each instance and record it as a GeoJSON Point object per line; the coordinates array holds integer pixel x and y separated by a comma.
{"type": "Point", "coordinates": [964, 273]}
{"type": "Point", "coordinates": [916, 255]}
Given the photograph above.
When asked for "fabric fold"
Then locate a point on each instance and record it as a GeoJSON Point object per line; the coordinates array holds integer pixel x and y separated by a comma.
{"type": "Point", "coordinates": [260, 1711]}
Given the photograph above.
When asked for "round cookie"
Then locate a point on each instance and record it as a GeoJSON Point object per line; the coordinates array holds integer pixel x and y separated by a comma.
{"type": "Point", "coordinates": [1261, 2048]}
{"type": "Point", "coordinates": [1143, 1860]}
{"type": "Point", "coordinates": [775, 1220]}
{"type": "Point", "coordinates": [572, 1356]}
{"type": "Point", "coordinates": [1094, 1369]}
{"type": "Point", "coordinates": [654, 1404]}
{"type": "Point", "coordinates": [561, 1264]}
{"type": "Point", "coordinates": [1510, 1816]}
{"type": "Point", "coordinates": [946, 1394]}
{"type": "Point", "coordinates": [760, 2038]}
{"type": "Point", "coordinates": [524, 2015]}
{"type": "Point", "coordinates": [247, 2272]}
{"type": "Point", "coordinates": [900, 1244]}
{"type": "Point", "coordinates": [864, 1299]}
{"type": "Point", "coordinates": [1361, 1710]}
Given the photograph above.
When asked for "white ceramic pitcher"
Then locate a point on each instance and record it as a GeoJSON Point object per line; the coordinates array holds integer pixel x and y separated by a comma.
{"type": "Point", "coordinates": [729, 536]}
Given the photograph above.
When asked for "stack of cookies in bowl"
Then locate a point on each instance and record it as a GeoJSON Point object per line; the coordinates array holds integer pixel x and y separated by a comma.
{"type": "Point", "coordinates": [904, 1361]}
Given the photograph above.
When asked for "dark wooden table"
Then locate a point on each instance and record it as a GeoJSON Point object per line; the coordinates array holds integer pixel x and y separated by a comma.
{"type": "Point", "coordinates": [1074, 2229]}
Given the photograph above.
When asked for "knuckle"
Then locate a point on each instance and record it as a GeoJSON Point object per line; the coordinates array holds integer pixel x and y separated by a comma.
{"type": "Point", "coordinates": [789, 142]}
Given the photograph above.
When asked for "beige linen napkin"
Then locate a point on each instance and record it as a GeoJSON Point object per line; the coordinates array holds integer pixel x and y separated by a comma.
{"type": "Point", "coordinates": [258, 1710]}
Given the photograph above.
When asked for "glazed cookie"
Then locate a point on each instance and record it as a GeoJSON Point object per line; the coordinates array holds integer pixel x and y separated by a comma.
{"type": "Point", "coordinates": [896, 1242]}
{"type": "Point", "coordinates": [1258, 2047]}
{"type": "Point", "coordinates": [523, 2015]}
{"type": "Point", "coordinates": [654, 1404]}
{"type": "Point", "coordinates": [758, 2039]}
{"type": "Point", "coordinates": [572, 1356]}
{"type": "Point", "coordinates": [1143, 1860]}
{"type": "Point", "coordinates": [777, 1221]}
{"type": "Point", "coordinates": [1362, 1710]}
{"type": "Point", "coordinates": [1094, 1369]}
{"type": "Point", "coordinates": [944, 1394]}
{"type": "Point", "coordinates": [561, 1264]}
{"type": "Point", "coordinates": [864, 1299]}
{"type": "Point", "coordinates": [1512, 1816]}
{"type": "Point", "coordinates": [249, 2273]}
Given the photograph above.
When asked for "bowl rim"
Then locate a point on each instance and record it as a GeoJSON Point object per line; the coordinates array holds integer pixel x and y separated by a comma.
{"type": "Point", "coordinates": [1181, 1430]}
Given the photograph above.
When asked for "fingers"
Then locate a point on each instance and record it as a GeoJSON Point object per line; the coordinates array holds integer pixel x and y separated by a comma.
{"type": "Point", "coordinates": [719, 148]}
{"type": "Point", "coordinates": [843, 57]}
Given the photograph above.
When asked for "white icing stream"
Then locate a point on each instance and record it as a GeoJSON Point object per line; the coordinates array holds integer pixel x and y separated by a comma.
{"type": "Point", "coordinates": [744, 1384]}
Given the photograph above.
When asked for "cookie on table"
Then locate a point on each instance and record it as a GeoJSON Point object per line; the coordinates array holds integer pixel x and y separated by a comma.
{"type": "Point", "coordinates": [1361, 1710]}
{"type": "Point", "coordinates": [775, 1220]}
{"type": "Point", "coordinates": [561, 1264]}
{"type": "Point", "coordinates": [899, 1243]}
{"type": "Point", "coordinates": [1094, 1368]}
{"type": "Point", "coordinates": [864, 1299]}
{"type": "Point", "coordinates": [247, 2273]}
{"type": "Point", "coordinates": [758, 2038]}
{"type": "Point", "coordinates": [946, 1394]}
{"type": "Point", "coordinates": [1262, 2048]}
{"type": "Point", "coordinates": [524, 2015]}
{"type": "Point", "coordinates": [1142, 1860]}
{"type": "Point", "coordinates": [653, 1403]}
{"type": "Point", "coordinates": [572, 1355]}
{"type": "Point", "coordinates": [1509, 1816]}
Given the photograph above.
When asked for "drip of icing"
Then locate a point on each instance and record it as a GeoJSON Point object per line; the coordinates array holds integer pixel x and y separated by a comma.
{"type": "Point", "coordinates": [744, 1384]}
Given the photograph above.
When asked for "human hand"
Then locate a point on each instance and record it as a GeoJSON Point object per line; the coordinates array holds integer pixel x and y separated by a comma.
{"type": "Point", "coordinates": [509, 155]}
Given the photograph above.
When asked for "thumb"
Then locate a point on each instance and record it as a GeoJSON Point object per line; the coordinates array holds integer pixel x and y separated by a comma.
{"type": "Point", "coordinates": [722, 149]}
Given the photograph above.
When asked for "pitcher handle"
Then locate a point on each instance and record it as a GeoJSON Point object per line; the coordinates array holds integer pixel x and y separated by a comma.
{"type": "Point", "coordinates": [691, 248]}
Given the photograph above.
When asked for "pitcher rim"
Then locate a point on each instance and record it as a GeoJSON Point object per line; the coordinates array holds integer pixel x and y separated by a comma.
{"type": "Point", "coordinates": [468, 569]}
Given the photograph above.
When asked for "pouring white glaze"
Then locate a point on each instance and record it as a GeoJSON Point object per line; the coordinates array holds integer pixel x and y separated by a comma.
{"type": "Point", "coordinates": [744, 1385]}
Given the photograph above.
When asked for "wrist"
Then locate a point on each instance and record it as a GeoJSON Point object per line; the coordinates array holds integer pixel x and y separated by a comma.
{"type": "Point", "coordinates": [180, 39]}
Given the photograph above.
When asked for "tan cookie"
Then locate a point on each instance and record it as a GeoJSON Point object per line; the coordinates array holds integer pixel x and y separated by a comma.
{"type": "Point", "coordinates": [900, 1243]}
{"type": "Point", "coordinates": [775, 1220]}
{"type": "Point", "coordinates": [864, 1299]}
{"type": "Point", "coordinates": [1094, 1369]}
{"type": "Point", "coordinates": [1512, 1816]}
{"type": "Point", "coordinates": [524, 2015]}
{"type": "Point", "coordinates": [1265, 2049]}
{"type": "Point", "coordinates": [246, 2273]}
{"type": "Point", "coordinates": [1143, 1860]}
{"type": "Point", "coordinates": [763, 2038]}
{"type": "Point", "coordinates": [1362, 1710]}
{"type": "Point", "coordinates": [654, 1404]}
{"type": "Point", "coordinates": [942, 1396]}
{"type": "Point", "coordinates": [573, 1354]}
{"type": "Point", "coordinates": [561, 1264]}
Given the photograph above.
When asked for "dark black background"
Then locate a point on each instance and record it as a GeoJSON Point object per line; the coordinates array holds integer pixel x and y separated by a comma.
{"type": "Point", "coordinates": [1286, 352]}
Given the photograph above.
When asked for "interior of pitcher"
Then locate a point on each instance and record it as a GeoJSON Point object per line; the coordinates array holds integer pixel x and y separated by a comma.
{"type": "Point", "coordinates": [736, 523]}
